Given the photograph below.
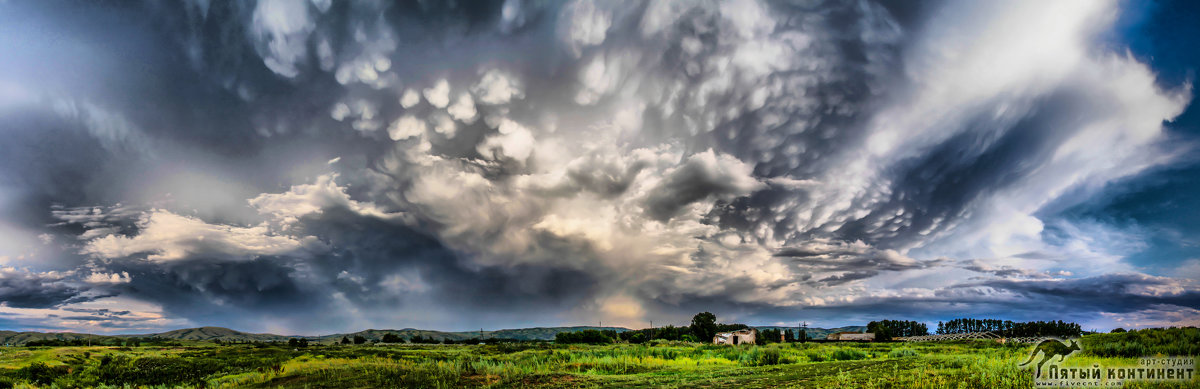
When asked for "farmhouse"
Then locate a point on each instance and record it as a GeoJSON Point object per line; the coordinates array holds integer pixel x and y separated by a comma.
{"type": "Point", "coordinates": [855, 336]}
{"type": "Point", "coordinates": [736, 337]}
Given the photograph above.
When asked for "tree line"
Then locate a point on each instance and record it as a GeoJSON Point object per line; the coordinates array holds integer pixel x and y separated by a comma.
{"type": "Point", "coordinates": [418, 339]}
{"type": "Point", "coordinates": [1009, 328]}
{"type": "Point", "coordinates": [887, 329]}
{"type": "Point", "coordinates": [115, 342]}
{"type": "Point", "coordinates": [704, 328]}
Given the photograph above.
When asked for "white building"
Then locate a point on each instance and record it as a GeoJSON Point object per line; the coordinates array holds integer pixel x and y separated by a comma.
{"type": "Point", "coordinates": [736, 337]}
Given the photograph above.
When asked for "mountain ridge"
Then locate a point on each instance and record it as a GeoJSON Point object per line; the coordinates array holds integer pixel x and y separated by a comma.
{"type": "Point", "coordinates": [211, 333]}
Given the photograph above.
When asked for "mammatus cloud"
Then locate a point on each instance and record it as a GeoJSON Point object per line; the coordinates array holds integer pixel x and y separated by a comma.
{"type": "Point", "coordinates": [529, 163]}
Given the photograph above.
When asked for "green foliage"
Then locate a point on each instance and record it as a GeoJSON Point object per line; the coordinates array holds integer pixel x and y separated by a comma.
{"type": "Point", "coordinates": [844, 354]}
{"type": "Point", "coordinates": [359, 339]}
{"type": "Point", "coordinates": [585, 336]}
{"type": "Point", "coordinates": [1142, 343]}
{"type": "Point", "coordinates": [704, 325]}
{"type": "Point", "coordinates": [500, 363]}
{"type": "Point", "coordinates": [767, 336]}
{"type": "Point", "coordinates": [393, 338]}
{"type": "Point", "coordinates": [1011, 328]}
{"type": "Point", "coordinates": [42, 374]}
{"type": "Point", "coordinates": [885, 330]}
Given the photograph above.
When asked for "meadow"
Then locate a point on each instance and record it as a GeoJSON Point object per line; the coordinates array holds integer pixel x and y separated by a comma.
{"type": "Point", "coordinates": [964, 364]}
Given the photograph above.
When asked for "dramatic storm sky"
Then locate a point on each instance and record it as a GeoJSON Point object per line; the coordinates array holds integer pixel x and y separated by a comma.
{"type": "Point", "coordinates": [322, 166]}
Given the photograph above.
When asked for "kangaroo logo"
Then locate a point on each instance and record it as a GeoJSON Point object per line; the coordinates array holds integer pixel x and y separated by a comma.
{"type": "Point", "coordinates": [1051, 348]}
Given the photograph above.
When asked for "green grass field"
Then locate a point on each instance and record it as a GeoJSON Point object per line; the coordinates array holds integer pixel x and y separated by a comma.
{"type": "Point", "coordinates": [967, 364]}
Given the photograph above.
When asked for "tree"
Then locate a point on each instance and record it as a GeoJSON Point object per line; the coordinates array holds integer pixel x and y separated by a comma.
{"type": "Point", "coordinates": [392, 338]}
{"type": "Point", "coordinates": [585, 336]}
{"type": "Point", "coordinates": [1117, 330]}
{"type": "Point", "coordinates": [345, 340]}
{"type": "Point", "coordinates": [358, 339]}
{"type": "Point", "coordinates": [704, 326]}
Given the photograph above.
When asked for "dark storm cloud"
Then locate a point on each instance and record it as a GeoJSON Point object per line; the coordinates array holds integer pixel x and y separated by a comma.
{"type": "Point", "coordinates": [847, 277]}
{"type": "Point", "coordinates": [854, 261]}
{"type": "Point", "coordinates": [1003, 271]}
{"type": "Point", "coordinates": [24, 289]}
{"type": "Point", "coordinates": [700, 177]}
{"type": "Point", "coordinates": [1117, 293]}
{"type": "Point", "coordinates": [370, 250]}
{"type": "Point", "coordinates": [98, 312]}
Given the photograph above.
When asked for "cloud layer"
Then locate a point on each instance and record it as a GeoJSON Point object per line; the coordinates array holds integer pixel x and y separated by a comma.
{"type": "Point", "coordinates": [327, 166]}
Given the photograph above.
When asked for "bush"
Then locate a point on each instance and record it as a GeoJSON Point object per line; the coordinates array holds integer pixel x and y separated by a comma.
{"type": "Point", "coordinates": [903, 352]}
{"type": "Point", "coordinates": [845, 354]}
{"type": "Point", "coordinates": [770, 356]}
{"type": "Point", "coordinates": [1147, 342]}
{"type": "Point", "coordinates": [42, 374]}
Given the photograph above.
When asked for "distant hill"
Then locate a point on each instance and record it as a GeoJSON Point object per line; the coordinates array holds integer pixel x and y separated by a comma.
{"type": "Point", "coordinates": [210, 334]}
{"type": "Point", "coordinates": [536, 333]}
{"type": "Point", "coordinates": [17, 338]}
{"type": "Point", "coordinates": [544, 333]}
{"type": "Point", "coordinates": [818, 333]}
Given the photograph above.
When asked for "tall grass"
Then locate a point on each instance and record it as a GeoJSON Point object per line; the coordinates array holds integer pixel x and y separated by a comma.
{"type": "Point", "coordinates": [868, 365]}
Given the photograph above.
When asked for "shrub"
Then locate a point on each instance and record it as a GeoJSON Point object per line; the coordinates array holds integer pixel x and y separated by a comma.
{"type": "Point", "coordinates": [903, 352]}
{"type": "Point", "coordinates": [845, 354]}
{"type": "Point", "coordinates": [42, 373]}
{"type": "Point", "coordinates": [770, 356]}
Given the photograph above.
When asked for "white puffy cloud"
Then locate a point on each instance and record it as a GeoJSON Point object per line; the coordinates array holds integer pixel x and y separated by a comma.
{"type": "Point", "coordinates": [439, 94]}
{"type": "Point", "coordinates": [166, 237]}
{"type": "Point", "coordinates": [281, 28]}
{"type": "Point", "coordinates": [405, 127]}
{"type": "Point", "coordinates": [496, 88]}
{"type": "Point", "coordinates": [463, 109]}
{"type": "Point", "coordinates": [586, 24]}
{"type": "Point", "coordinates": [107, 278]}
{"type": "Point", "coordinates": [410, 98]}
{"type": "Point", "coordinates": [307, 199]}
{"type": "Point", "coordinates": [512, 141]}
